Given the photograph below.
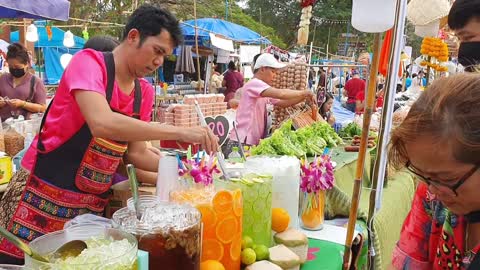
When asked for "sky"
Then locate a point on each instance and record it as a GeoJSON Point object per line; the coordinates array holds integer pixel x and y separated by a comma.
{"type": "Point", "coordinates": [242, 3]}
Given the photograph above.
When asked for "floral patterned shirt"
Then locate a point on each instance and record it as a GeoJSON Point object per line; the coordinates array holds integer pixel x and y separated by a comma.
{"type": "Point", "coordinates": [432, 237]}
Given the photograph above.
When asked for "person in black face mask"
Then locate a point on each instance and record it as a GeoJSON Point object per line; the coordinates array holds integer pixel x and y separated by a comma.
{"type": "Point", "coordinates": [464, 19]}
{"type": "Point", "coordinates": [21, 93]}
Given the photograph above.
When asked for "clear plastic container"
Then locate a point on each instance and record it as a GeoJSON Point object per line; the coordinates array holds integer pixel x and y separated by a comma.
{"type": "Point", "coordinates": [235, 156]}
{"type": "Point", "coordinates": [257, 205]}
{"type": "Point", "coordinates": [170, 233]}
{"type": "Point", "coordinates": [145, 201]}
{"type": "Point", "coordinates": [116, 257]}
{"type": "Point", "coordinates": [222, 212]}
{"type": "Point", "coordinates": [11, 267]}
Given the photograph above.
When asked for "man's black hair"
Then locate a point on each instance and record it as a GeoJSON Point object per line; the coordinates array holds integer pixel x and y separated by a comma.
{"type": "Point", "coordinates": [462, 12]}
{"type": "Point", "coordinates": [102, 43]}
{"type": "Point", "coordinates": [150, 20]}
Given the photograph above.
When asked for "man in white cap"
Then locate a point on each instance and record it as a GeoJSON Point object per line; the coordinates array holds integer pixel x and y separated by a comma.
{"type": "Point", "coordinates": [256, 94]}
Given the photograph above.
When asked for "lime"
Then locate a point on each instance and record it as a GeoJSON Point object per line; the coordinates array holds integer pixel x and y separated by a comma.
{"type": "Point", "coordinates": [262, 252]}
{"type": "Point", "coordinates": [247, 242]}
{"type": "Point", "coordinates": [248, 256]}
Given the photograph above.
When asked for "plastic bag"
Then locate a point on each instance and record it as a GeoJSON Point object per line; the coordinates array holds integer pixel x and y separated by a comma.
{"type": "Point", "coordinates": [14, 141]}
{"type": "Point", "coordinates": [88, 219]}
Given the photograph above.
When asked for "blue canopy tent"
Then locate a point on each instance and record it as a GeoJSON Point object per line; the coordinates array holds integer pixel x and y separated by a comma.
{"type": "Point", "coordinates": [44, 9]}
{"type": "Point", "coordinates": [205, 26]}
{"type": "Point", "coordinates": [52, 50]}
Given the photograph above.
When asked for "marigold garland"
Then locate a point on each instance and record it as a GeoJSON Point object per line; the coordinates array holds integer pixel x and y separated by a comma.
{"type": "Point", "coordinates": [437, 50]}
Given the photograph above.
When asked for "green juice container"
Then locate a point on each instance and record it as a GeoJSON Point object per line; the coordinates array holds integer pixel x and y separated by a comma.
{"type": "Point", "coordinates": [257, 205]}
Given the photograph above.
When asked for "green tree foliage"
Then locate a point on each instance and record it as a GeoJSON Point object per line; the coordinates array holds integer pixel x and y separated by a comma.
{"type": "Point", "coordinates": [413, 40]}
{"type": "Point", "coordinates": [117, 11]}
{"type": "Point", "coordinates": [284, 16]}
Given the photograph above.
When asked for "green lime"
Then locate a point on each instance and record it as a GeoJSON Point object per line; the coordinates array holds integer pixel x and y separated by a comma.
{"type": "Point", "coordinates": [262, 252]}
{"type": "Point", "coordinates": [247, 242]}
{"type": "Point", "coordinates": [248, 256]}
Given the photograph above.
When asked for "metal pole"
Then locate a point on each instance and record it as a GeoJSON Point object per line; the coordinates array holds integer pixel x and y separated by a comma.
{"type": "Point", "coordinates": [357, 188]}
{"type": "Point", "coordinates": [328, 40]}
{"type": "Point", "coordinates": [346, 39]}
{"type": "Point", "coordinates": [388, 106]}
{"type": "Point", "coordinates": [309, 62]}
{"type": "Point", "coordinates": [380, 166]}
{"type": "Point", "coordinates": [196, 45]}
{"type": "Point", "coordinates": [226, 10]}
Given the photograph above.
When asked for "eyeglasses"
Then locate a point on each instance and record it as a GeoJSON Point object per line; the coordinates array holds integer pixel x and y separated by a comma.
{"type": "Point", "coordinates": [429, 181]}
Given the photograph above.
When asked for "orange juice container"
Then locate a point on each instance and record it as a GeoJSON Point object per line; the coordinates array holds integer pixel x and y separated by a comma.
{"type": "Point", "coordinates": [222, 213]}
{"type": "Point", "coordinates": [5, 168]}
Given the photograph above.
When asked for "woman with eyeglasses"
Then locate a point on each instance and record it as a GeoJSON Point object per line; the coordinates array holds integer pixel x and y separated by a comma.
{"type": "Point", "coordinates": [439, 143]}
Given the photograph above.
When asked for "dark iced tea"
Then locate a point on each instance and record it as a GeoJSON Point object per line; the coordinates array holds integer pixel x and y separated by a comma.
{"type": "Point", "coordinates": [171, 234]}
{"type": "Point", "coordinates": [173, 249]}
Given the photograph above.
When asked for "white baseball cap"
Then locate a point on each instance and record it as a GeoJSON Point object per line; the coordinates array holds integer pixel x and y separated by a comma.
{"type": "Point", "coordinates": [268, 60]}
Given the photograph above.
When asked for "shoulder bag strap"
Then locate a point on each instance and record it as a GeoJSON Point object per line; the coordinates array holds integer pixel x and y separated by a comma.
{"type": "Point", "coordinates": [110, 64]}
{"type": "Point", "coordinates": [32, 89]}
{"type": "Point", "coordinates": [137, 102]}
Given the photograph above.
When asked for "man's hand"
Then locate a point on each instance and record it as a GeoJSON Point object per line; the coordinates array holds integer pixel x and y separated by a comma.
{"type": "Point", "coordinates": [201, 135]}
{"type": "Point", "coordinates": [16, 103]}
{"type": "Point", "coordinates": [2, 102]}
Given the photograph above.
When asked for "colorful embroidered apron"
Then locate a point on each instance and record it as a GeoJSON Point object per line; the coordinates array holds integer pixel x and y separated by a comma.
{"type": "Point", "coordinates": [70, 180]}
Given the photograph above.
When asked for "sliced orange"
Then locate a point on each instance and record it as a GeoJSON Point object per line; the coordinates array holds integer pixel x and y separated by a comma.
{"type": "Point", "coordinates": [209, 218]}
{"type": "Point", "coordinates": [226, 230]}
{"type": "Point", "coordinates": [223, 201]}
{"type": "Point", "coordinates": [231, 265]}
{"type": "Point", "coordinates": [211, 265]}
{"type": "Point", "coordinates": [237, 203]}
{"type": "Point", "coordinates": [209, 233]}
{"type": "Point", "coordinates": [312, 218]}
{"type": "Point", "coordinates": [212, 250]}
{"type": "Point", "coordinates": [236, 248]}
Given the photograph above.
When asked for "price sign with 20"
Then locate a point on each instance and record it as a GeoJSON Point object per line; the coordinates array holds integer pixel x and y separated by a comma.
{"type": "Point", "coordinates": [220, 127]}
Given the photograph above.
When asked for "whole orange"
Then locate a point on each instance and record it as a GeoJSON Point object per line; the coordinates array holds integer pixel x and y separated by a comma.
{"type": "Point", "coordinates": [280, 219]}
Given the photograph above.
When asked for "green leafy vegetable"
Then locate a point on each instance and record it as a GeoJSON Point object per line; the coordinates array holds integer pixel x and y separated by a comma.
{"type": "Point", "coordinates": [351, 130]}
{"type": "Point", "coordinates": [309, 141]}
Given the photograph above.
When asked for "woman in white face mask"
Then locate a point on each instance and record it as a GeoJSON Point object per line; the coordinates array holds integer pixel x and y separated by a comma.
{"type": "Point", "coordinates": [21, 93]}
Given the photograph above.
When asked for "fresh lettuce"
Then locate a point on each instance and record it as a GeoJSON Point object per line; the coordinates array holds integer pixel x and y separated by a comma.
{"type": "Point", "coordinates": [310, 141]}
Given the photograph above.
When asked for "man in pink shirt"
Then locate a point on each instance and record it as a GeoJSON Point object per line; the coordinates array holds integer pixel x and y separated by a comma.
{"type": "Point", "coordinates": [256, 94]}
{"type": "Point", "coordinates": [99, 116]}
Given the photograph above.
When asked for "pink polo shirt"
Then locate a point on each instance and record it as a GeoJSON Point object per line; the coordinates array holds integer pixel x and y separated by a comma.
{"type": "Point", "coordinates": [86, 71]}
{"type": "Point", "coordinates": [252, 112]}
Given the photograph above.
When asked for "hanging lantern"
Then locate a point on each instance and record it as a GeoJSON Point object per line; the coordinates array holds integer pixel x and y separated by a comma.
{"type": "Point", "coordinates": [373, 16]}
{"type": "Point", "coordinates": [65, 59]}
{"type": "Point", "coordinates": [68, 40]}
{"type": "Point", "coordinates": [32, 33]}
